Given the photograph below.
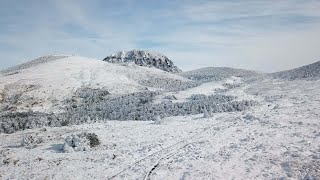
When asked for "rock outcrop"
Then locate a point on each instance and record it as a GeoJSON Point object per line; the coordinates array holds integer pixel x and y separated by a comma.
{"type": "Point", "coordinates": [144, 58]}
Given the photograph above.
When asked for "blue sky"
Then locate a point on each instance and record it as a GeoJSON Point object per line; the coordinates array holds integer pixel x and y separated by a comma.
{"type": "Point", "coordinates": [265, 35]}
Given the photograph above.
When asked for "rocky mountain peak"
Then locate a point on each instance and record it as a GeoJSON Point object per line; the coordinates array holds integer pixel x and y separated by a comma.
{"type": "Point", "coordinates": [144, 58]}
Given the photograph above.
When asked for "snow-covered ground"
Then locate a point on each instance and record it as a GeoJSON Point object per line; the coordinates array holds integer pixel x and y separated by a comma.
{"type": "Point", "coordinates": [278, 139]}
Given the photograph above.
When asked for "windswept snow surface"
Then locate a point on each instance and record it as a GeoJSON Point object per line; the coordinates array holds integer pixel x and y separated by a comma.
{"type": "Point", "coordinates": [279, 139]}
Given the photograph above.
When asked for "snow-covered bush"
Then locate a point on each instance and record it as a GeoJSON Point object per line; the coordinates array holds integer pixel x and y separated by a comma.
{"type": "Point", "coordinates": [80, 142]}
{"type": "Point", "coordinates": [11, 122]}
{"type": "Point", "coordinates": [157, 120]}
{"type": "Point", "coordinates": [2, 96]}
{"type": "Point", "coordinates": [93, 139]}
{"type": "Point", "coordinates": [276, 107]}
{"type": "Point", "coordinates": [206, 113]}
{"type": "Point", "coordinates": [31, 141]}
{"type": "Point", "coordinates": [7, 157]}
{"type": "Point", "coordinates": [76, 143]}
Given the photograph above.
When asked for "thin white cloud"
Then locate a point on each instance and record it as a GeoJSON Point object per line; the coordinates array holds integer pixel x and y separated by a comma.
{"type": "Point", "coordinates": [222, 10]}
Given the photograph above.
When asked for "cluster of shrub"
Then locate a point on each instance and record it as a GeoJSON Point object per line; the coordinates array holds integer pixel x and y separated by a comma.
{"type": "Point", "coordinates": [169, 84]}
{"type": "Point", "coordinates": [141, 106]}
{"type": "Point", "coordinates": [80, 142]}
{"type": "Point", "coordinates": [91, 105]}
{"type": "Point", "coordinates": [11, 122]}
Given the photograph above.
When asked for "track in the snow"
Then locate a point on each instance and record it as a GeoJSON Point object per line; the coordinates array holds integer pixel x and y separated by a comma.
{"type": "Point", "coordinates": [167, 152]}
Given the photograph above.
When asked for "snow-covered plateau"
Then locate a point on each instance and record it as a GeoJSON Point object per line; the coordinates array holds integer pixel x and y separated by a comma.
{"type": "Point", "coordinates": [70, 117]}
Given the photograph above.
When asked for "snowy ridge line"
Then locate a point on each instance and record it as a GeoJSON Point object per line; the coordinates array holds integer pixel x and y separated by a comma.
{"type": "Point", "coordinates": [170, 153]}
{"type": "Point", "coordinates": [35, 62]}
{"type": "Point", "coordinates": [310, 72]}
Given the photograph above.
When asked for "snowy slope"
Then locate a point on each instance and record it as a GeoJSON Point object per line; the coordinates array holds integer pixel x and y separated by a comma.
{"type": "Point", "coordinates": [144, 58]}
{"type": "Point", "coordinates": [40, 60]}
{"type": "Point", "coordinates": [311, 71]}
{"type": "Point", "coordinates": [51, 79]}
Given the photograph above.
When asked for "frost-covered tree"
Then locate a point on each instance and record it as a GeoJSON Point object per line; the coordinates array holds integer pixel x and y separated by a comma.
{"type": "Point", "coordinates": [91, 105]}
{"type": "Point", "coordinates": [205, 113]}
{"type": "Point", "coordinates": [157, 120]}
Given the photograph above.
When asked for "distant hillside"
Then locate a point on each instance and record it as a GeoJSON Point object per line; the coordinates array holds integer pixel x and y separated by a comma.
{"type": "Point", "coordinates": [144, 58]}
{"type": "Point", "coordinates": [311, 71]}
{"type": "Point", "coordinates": [217, 74]}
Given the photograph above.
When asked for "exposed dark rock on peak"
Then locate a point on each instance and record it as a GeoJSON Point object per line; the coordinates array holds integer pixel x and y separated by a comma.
{"type": "Point", "coordinates": [144, 58]}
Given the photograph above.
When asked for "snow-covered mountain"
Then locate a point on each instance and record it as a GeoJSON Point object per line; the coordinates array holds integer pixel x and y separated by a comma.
{"type": "Point", "coordinates": [144, 58]}
{"type": "Point", "coordinates": [60, 90]}
{"type": "Point", "coordinates": [311, 71]}
{"type": "Point", "coordinates": [57, 77]}
{"type": "Point", "coordinates": [56, 112]}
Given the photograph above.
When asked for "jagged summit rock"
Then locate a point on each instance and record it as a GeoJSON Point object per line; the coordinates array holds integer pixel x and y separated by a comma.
{"type": "Point", "coordinates": [144, 58]}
